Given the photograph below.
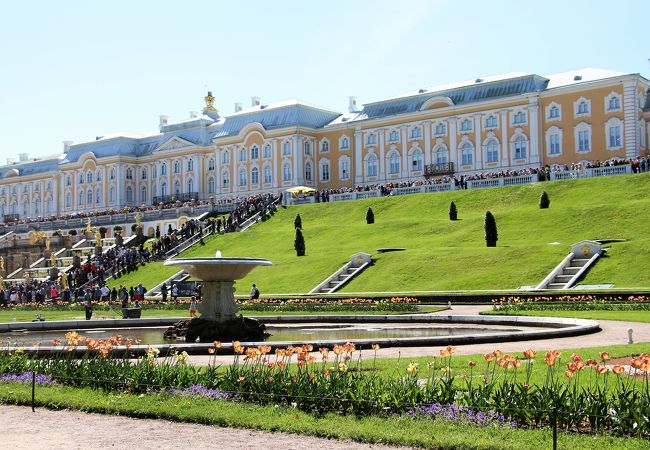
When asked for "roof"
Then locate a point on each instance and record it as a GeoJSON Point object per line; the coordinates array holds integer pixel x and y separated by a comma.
{"type": "Point", "coordinates": [32, 166]}
{"type": "Point", "coordinates": [584, 75]}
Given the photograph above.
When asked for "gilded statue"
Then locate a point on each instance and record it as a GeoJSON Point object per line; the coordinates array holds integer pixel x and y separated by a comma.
{"type": "Point", "coordinates": [137, 220]}
{"type": "Point", "coordinates": [88, 229]}
{"type": "Point", "coordinates": [2, 264]}
{"type": "Point", "coordinates": [64, 280]}
{"type": "Point", "coordinates": [209, 100]}
{"type": "Point", "coordinates": [48, 243]}
{"type": "Point", "coordinates": [53, 260]}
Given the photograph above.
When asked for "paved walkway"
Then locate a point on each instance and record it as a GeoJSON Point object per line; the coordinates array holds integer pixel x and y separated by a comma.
{"type": "Point", "coordinates": [44, 429]}
{"type": "Point", "coordinates": [613, 333]}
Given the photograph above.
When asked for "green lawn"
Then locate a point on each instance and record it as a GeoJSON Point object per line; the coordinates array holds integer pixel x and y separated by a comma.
{"type": "Point", "coordinates": [628, 316]}
{"type": "Point", "coordinates": [446, 255]}
{"type": "Point", "coordinates": [396, 430]}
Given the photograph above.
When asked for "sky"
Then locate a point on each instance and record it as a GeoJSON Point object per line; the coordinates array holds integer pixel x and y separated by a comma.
{"type": "Point", "coordinates": [75, 70]}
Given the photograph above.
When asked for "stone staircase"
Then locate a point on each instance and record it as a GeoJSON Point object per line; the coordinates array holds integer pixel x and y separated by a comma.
{"type": "Point", "coordinates": [583, 256]}
{"type": "Point", "coordinates": [357, 263]}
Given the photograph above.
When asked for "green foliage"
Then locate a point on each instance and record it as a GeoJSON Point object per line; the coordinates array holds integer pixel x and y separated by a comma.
{"type": "Point", "coordinates": [297, 222]}
{"type": "Point", "coordinates": [299, 243]}
{"type": "Point", "coordinates": [453, 212]}
{"type": "Point", "coordinates": [370, 216]}
{"type": "Point", "coordinates": [544, 201]}
{"type": "Point", "coordinates": [491, 235]}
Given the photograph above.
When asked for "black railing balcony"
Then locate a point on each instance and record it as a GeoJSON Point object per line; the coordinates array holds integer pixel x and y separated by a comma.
{"type": "Point", "coordinates": [185, 197]}
{"type": "Point", "coordinates": [435, 169]}
{"type": "Point", "coordinates": [10, 218]}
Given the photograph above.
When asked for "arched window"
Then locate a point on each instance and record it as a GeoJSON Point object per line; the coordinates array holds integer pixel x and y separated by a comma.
{"type": "Point", "coordinates": [144, 174]}
{"type": "Point", "coordinates": [163, 189]}
{"type": "Point", "coordinates": [492, 151]}
{"type": "Point", "coordinates": [286, 172]}
{"type": "Point", "coordinates": [393, 162]}
{"type": "Point", "coordinates": [416, 160]}
{"type": "Point", "coordinates": [81, 178]}
{"type": "Point", "coordinates": [416, 133]}
{"type": "Point", "coordinates": [143, 194]}
{"type": "Point", "coordinates": [129, 194]}
{"type": "Point", "coordinates": [267, 151]}
{"type": "Point", "coordinates": [68, 180]}
{"type": "Point", "coordinates": [520, 147]}
{"type": "Point", "coordinates": [393, 136]}
{"type": "Point", "coordinates": [268, 177]}
{"type": "Point", "coordinates": [467, 153]}
{"type": "Point", "coordinates": [440, 129]}
{"type": "Point", "coordinates": [163, 169]}
{"type": "Point", "coordinates": [286, 148]}
{"type": "Point", "coordinates": [466, 125]}
{"type": "Point", "coordinates": [308, 171]}
{"type": "Point", "coordinates": [111, 194]}
{"type": "Point", "coordinates": [614, 103]}
{"type": "Point", "coordinates": [225, 158]}
{"type": "Point", "coordinates": [177, 167]}
{"type": "Point", "coordinates": [48, 206]}
{"type": "Point", "coordinates": [255, 152]}
{"type": "Point", "coordinates": [98, 196]}
{"type": "Point", "coordinates": [89, 197]}
{"type": "Point", "coordinates": [242, 154]}
{"type": "Point", "coordinates": [225, 176]}
{"type": "Point", "coordinates": [554, 112]}
{"type": "Point", "coordinates": [344, 168]}
{"type": "Point", "coordinates": [99, 175]}
{"type": "Point", "coordinates": [211, 164]}
{"type": "Point", "coordinates": [211, 185]}
{"type": "Point", "coordinates": [190, 165]}
{"type": "Point", "coordinates": [190, 186]}
{"type": "Point", "coordinates": [89, 177]}
{"type": "Point", "coordinates": [255, 176]}
{"type": "Point", "coordinates": [112, 174]}
{"type": "Point", "coordinates": [345, 142]}
{"type": "Point", "coordinates": [520, 117]}
{"type": "Point", "coordinates": [441, 155]}
{"type": "Point", "coordinates": [37, 207]}
{"type": "Point", "coordinates": [325, 170]}
{"type": "Point", "coordinates": [371, 165]}
{"type": "Point", "coordinates": [242, 177]}
{"type": "Point", "coordinates": [491, 122]}
{"type": "Point", "coordinates": [177, 188]}
{"type": "Point", "coordinates": [25, 208]}
{"type": "Point", "coordinates": [129, 174]}
{"type": "Point", "coordinates": [81, 198]}
{"type": "Point", "coordinates": [583, 107]}
{"type": "Point", "coordinates": [325, 146]}
{"type": "Point", "coordinates": [307, 148]}
{"type": "Point", "coordinates": [371, 139]}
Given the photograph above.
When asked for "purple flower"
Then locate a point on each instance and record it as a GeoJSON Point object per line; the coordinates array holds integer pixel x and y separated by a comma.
{"type": "Point", "coordinates": [197, 390]}
{"type": "Point", "coordinates": [25, 377]}
{"type": "Point", "coordinates": [460, 413]}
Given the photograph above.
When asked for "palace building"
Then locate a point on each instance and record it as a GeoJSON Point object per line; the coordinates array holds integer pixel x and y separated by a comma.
{"type": "Point", "coordinates": [511, 121]}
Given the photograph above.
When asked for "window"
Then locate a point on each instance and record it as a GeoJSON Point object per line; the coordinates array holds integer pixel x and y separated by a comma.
{"type": "Point", "coordinates": [99, 175]}
{"type": "Point", "coordinates": [416, 133]}
{"type": "Point", "coordinates": [163, 169]}
{"type": "Point", "coordinates": [129, 174]}
{"type": "Point", "coordinates": [90, 197]}
{"type": "Point", "coordinates": [225, 158]}
{"type": "Point", "coordinates": [98, 197]}
{"type": "Point", "coordinates": [111, 194]}
{"type": "Point", "coordinates": [583, 108]}
{"type": "Point", "coordinates": [267, 151]}
{"type": "Point", "coordinates": [441, 155]}
{"type": "Point", "coordinates": [519, 117]}
{"type": "Point", "coordinates": [393, 163]}
{"type": "Point", "coordinates": [325, 171]}
{"type": "Point", "coordinates": [307, 148]}
{"type": "Point", "coordinates": [554, 144]}
{"type": "Point", "coordinates": [583, 141]}
{"type": "Point", "coordinates": [49, 186]}
{"type": "Point", "coordinates": [177, 188]}
{"type": "Point", "coordinates": [25, 208]}
{"type": "Point", "coordinates": [325, 146]}
{"type": "Point", "coordinates": [308, 171]}
{"type": "Point", "coordinates": [345, 142]}
{"type": "Point", "coordinates": [143, 194]}
{"type": "Point", "coordinates": [190, 186]}
{"type": "Point", "coordinates": [154, 171]}
{"type": "Point", "coordinates": [81, 178]}
{"type": "Point", "coordinates": [129, 194]}
{"type": "Point", "coordinates": [371, 165]}
{"type": "Point", "coordinates": [520, 147]}
{"type": "Point", "coordinates": [226, 179]}
{"type": "Point", "coordinates": [467, 154]}
{"type": "Point", "coordinates": [371, 139]}
{"type": "Point", "coordinates": [554, 112]}
{"type": "Point", "coordinates": [440, 129]}
{"type": "Point", "coordinates": [177, 167]}
{"type": "Point", "coordinates": [492, 151]}
{"type": "Point", "coordinates": [491, 122]}
{"type": "Point", "coordinates": [255, 152]}
{"type": "Point", "coordinates": [163, 189]}
{"type": "Point", "coordinates": [37, 207]}
{"type": "Point", "coordinates": [344, 168]}
{"type": "Point", "coordinates": [466, 125]}
{"type": "Point", "coordinates": [81, 198]}
{"type": "Point", "coordinates": [268, 177]}
{"type": "Point", "coordinates": [393, 136]}
{"type": "Point", "coordinates": [286, 172]}
{"type": "Point", "coordinates": [211, 164]}
{"type": "Point", "coordinates": [144, 174]}
{"type": "Point", "coordinates": [68, 180]}
{"type": "Point", "coordinates": [614, 103]}
{"type": "Point", "coordinates": [614, 136]}
{"type": "Point", "coordinates": [211, 186]}
{"type": "Point", "coordinates": [190, 165]}
{"type": "Point", "coordinates": [242, 154]}
{"type": "Point", "coordinates": [255, 176]}
{"type": "Point", "coordinates": [416, 160]}
{"type": "Point", "coordinates": [286, 148]}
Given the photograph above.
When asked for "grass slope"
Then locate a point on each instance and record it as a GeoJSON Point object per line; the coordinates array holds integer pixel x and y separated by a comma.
{"type": "Point", "coordinates": [446, 255]}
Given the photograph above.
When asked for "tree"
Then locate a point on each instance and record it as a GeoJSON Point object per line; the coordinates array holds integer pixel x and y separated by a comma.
{"type": "Point", "coordinates": [370, 216]}
{"type": "Point", "coordinates": [297, 223]}
{"type": "Point", "coordinates": [544, 201]}
{"type": "Point", "coordinates": [299, 243]}
{"type": "Point", "coordinates": [491, 235]}
{"type": "Point", "coordinates": [453, 212]}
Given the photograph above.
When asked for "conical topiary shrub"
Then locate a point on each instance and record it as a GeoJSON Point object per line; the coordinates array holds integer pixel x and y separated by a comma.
{"type": "Point", "coordinates": [370, 216]}
{"type": "Point", "coordinates": [299, 243]}
{"type": "Point", "coordinates": [297, 222]}
{"type": "Point", "coordinates": [491, 235]}
{"type": "Point", "coordinates": [453, 212]}
{"type": "Point", "coordinates": [544, 201]}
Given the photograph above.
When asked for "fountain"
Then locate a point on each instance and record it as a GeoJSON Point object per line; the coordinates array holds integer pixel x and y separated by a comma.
{"type": "Point", "coordinates": [219, 320]}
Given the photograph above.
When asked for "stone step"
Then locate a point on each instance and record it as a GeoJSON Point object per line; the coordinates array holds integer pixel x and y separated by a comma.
{"type": "Point", "coordinates": [563, 278]}
{"type": "Point", "coordinates": [556, 286]}
{"type": "Point", "coordinates": [571, 270]}
{"type": "Point", "coordinates": [578, 262]}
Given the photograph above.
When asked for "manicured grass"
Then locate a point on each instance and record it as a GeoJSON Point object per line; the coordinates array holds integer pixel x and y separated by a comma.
{"type": "Point", "coordinates": [628, 316]}
{"type": "Point", "coordinates": [150, 275]}
{"type": "Point", "coordinates": [437, 247]}
{"type": "Point", "coordinates": [399, 430]}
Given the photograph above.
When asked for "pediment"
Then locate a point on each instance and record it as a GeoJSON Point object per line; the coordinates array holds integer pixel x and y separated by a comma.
{"type": "Point", "coordinates": [174, 143]}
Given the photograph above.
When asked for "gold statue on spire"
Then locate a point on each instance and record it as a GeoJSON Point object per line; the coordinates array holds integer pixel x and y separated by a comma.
{"type": "Point", "coordinates": [209, 103]}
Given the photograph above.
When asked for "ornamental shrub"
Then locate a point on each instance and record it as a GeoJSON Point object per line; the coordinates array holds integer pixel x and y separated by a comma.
{"type": "Point", "coordinates": [370, 216]}
{"type": "Point", "coordinates": [544, 201]}
{"type": "Point", "coordinates": [491, 235]}
{"type": "Point", "coordinates": [453, 212]}
{"type": "Point", "coordinates": [299, 243]}
{"type": "Point", "coordinates": [297, 223]}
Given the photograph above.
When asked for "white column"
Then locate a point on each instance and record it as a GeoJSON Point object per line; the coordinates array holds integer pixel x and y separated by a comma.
{"type": "Point", "coordinates": [631, 119]}
{"type": "Point", "coordinates": [120, 182]}
{"type": "Point", "coordinates": [275, 169]}
{"type": "Point", "coordinates": [427, 142]}
{"type": "Point", "coordinates": [358, 156]}
{"type": "Point", "coordinates": [533, 108]}
{"type": "Point", "coordinates": [453, 150]}
{"type": "Point", "coordinates": [505, 145]}
{"type": "Point", "coordinates": [382, 153]}
{"type": "Point", "coordinates": [297, 160]}
{"type": "Point", "coordinates": [405, 167]}
{"type": "Point", "coordinates": [479, 142]}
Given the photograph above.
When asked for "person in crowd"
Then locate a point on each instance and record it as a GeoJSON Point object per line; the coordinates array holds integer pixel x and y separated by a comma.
{"type": "Point", "coordinates": [193, 307]}
{"type": "Point", "coordinates": [255, 293]}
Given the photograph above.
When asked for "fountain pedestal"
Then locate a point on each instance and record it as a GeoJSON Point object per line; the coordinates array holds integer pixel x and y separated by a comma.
{"type": "Point", "coordinates": [218, 302]}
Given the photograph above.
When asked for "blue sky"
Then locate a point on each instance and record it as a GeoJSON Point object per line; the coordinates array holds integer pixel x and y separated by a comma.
{"type": "Point", "coordinates": [75, 70]}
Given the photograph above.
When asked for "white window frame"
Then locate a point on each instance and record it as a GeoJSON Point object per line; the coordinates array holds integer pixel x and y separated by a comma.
{"type": "Point", "coordinates": [494, 118]}
{"type": "Point", "coordinates": [461, 125]}
{"type": "Point", "coordinates": [582, 126]}
{"type": "Point", "coordinates": [435, 129]}
{"type": "Point", "coordinates": [576, 107]}
{"type": "Point", "coordinates": [344, 140]}
{"type": "Point", "coordinates": [344, 163]}
{"type": "Point", "coordinates": [488, 143]}
{"type": "Point", "coordinates": [392, 158]}
{"type": "Point", "coordinates": [268, 174]}
{"type": "Point", "coordinates": [393, 133]}
{"type": "Point", "coordinates": [609, 125]}
{"type": "Point", "coordinates": [324, 145]}
{"type": "Point", "coordinates": [553, 131]}
{"type": "Point", "coordinates": [324, 170]}
{"type": "Point", "coordinates": [371, 139]}
{"type": "Point", "coordinates": [371, 173]}
{"type": "Point", "coordinates": [438, 150]}
{"type": "Point", "coordinates": [611, 96]}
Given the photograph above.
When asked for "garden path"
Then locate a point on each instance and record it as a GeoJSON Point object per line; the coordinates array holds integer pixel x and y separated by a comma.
{"type": "Point", "coordinates": [23, 429]}
{"type": "Point", "coordinates": [613, 332]}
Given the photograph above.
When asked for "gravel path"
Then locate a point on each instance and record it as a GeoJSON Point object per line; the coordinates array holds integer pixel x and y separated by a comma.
{"type": "Point", "coordinates": [45, 429]}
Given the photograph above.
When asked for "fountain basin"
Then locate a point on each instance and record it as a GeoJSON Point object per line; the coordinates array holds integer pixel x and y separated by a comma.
{"type": "Point", "coordinates": [218, 269]}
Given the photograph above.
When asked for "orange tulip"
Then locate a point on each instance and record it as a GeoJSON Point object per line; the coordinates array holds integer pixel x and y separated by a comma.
{"type": "Point", "coordinates": [568, 374]}
{"type": "Point", "coordinates": [375, 347]}
{"type": "Point", "coordinates": [471, 363]}
{"type": "Point", "coordinates": [488, 357]}
{"type": "Point", "coordinates": [604, 356]}
{"type": "Point", "coordinates": [618, 370]}
{"type": "Point", "coordinates": [530, 353]}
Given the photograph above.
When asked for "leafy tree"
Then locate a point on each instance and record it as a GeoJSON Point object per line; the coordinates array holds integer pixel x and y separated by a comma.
{"type": "Point", "coordinates": [297, 223]}
{"type": "Point", "coordinates": [370, 216]}
{"type": "Point", "coordinates": [544, 201]}
{"type": "Point", "coordinates": [491, 235]}
{"type": "Point", "coordinates": [299, 243]}
{"type": "Point", "coordinates": [453, 212]}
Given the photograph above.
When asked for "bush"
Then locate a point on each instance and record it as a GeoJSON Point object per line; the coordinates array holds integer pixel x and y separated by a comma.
{"type": "Point", "coordinates": [453, 212]}
{"type": "Point", "coordinates": [299, 243]}
{"type": "Point", "coordinates": [544, 201]}
{"type": "Point", "coordinates": [72, 232]}
{"type": "Point", "coordinates": [491, 235]}
{"type": "Point", "coordinates": [297, 223]}
{"type": "Point", "coordinates": [370, 216]}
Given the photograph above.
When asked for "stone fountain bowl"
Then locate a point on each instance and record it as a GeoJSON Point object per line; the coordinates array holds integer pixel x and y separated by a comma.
{"type": "Point", "coordinates": [218, 269]}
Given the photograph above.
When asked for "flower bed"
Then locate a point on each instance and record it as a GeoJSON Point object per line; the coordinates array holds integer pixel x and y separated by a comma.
{"type": "Point", "coordinates": [573, 303]}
